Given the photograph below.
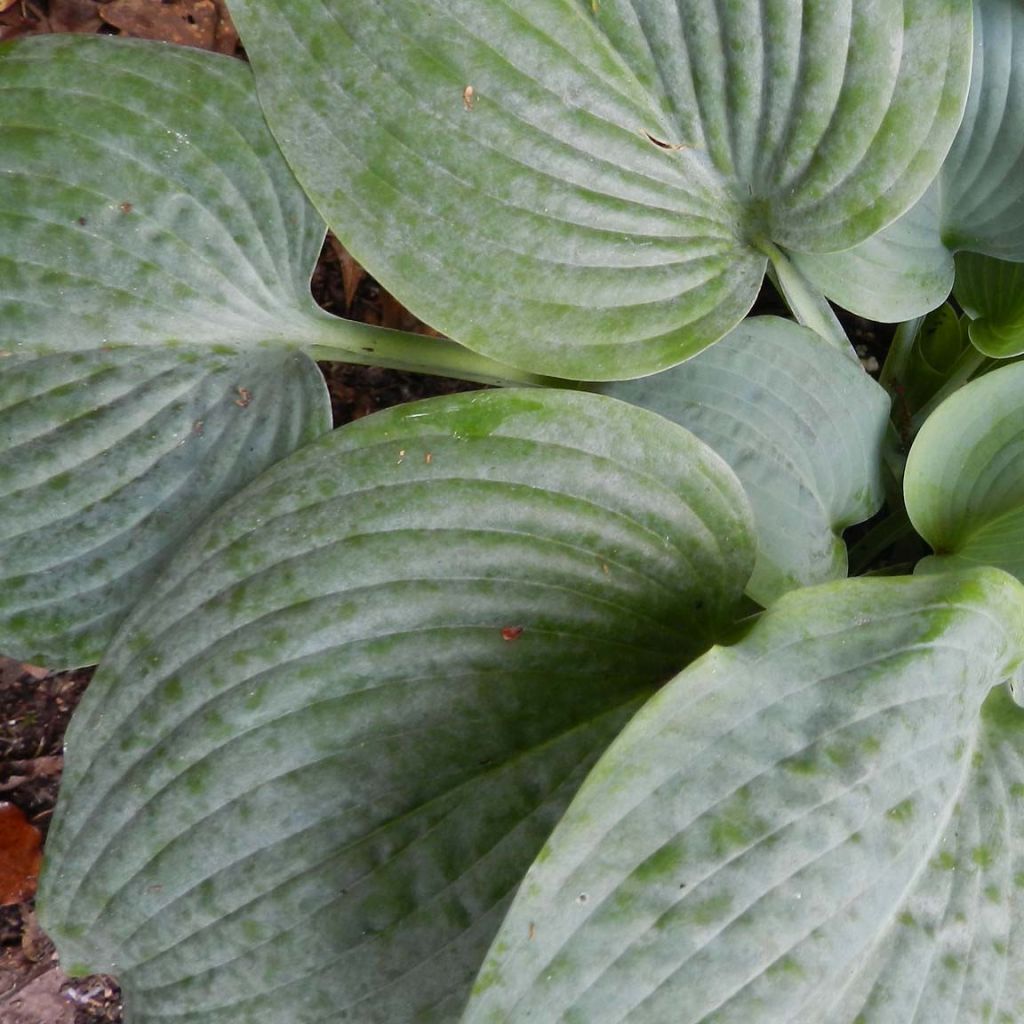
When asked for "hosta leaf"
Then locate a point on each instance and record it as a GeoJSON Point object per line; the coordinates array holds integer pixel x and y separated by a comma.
{"type": "Point", "coordinates": [817, 824]}
{"type": "Point", "coordinates": [964, 483]}
{"type": "Point", "coordinates": [902, 272]}
{"type": "Point", "coordinates": [801, 426]}
{"type": "Point", "coordinates": [977, 203]}
{"type": "Point", "coordinates": [143, 201]}
{"type": "Point", "coordinates": [319, 758]}
{"type": "Point", "coordinates": [131, 217]}
{"type": "Point", "coordinates": [110, 458]}
{"type": "Point", "coordinates": [991, 293]}
{"type": "Point", "coordinates": [940, 342]}
{"type": "Point", "coordinates": [589, 189]}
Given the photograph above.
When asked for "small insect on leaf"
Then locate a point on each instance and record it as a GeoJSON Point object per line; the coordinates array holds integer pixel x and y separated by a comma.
{"type": "Point", "coordinates": [467, 97]}
{"type": "Point", "coordinates": [244, 397]}
{"type": "Point", "coordinates": [20, 856]}
{"type": "Point", "coordinates": [510, 633]}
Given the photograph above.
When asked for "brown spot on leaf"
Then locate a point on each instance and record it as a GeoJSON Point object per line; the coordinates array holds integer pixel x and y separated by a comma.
{"type": "Point", "coordinates": [468, 97]}
{"type": "Point", "coordinates": [125, 207]}
{"type": "Point", "coordinates": [661, 144]}
{"type": "Point", "coordinates": [510, 633]}
{"type": "Point", "coordinates": [244, 397]}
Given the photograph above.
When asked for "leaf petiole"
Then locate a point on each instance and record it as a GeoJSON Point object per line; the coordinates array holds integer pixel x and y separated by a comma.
{"type": "Point", "coordinates": [368, 345]}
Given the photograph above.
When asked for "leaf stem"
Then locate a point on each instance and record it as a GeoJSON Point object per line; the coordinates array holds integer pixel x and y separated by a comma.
{"type": "Point", "coordinates": [809, 306]}
{"type": "Point", "coordinates": [970, 361]}
{"type": "Point", "coordinates": [348, 341]}
{"type": "Point", "coordinates": [899, 352]}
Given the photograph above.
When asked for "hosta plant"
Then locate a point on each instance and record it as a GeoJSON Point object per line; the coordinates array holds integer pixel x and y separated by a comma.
{"type": "Point", "coordinates": [552, 702]}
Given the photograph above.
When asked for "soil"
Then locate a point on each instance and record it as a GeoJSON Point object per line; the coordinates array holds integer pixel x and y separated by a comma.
{"type": "Point", "coordinates": [35, 704]}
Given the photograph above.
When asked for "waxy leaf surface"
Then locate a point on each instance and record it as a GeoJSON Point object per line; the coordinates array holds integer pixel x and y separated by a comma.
{"type": "Point", "coordinates": [976, 204]}
{"type": "Point", "coordinates": [152, 239]}
{"type": "Point", "coordinates": [109, 460]}
{"type": "Point", "coordinates": [589, 189]}
{"type": "Point", "coordinates": [820, 823]}
{"type": "Point", "coordinates": [319, 758]}
{"type": "Point", "coordinates": [800, 424]}
{"type": "Point", "coordinates": [964, 482]}
{"type": "Point", "coordinates": [144, 201]}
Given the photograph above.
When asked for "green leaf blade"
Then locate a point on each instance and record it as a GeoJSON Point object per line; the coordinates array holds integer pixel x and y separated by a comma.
{"type": "Point", "coordinates": [976, 203]}
{"type": "Point", "coordinates": [802, 427]}
{"type": "Point", "coordinates": [760, 827]}
{"type": "Point", "coordinates": [601, 210]}
{"type": "Point", "coordinates": [109, 459]}
{"type": "Point", "coordinates": [963, 489]}
{"type": "Point", "coordinates": [156, 225]}
{"type": "Point", "coordinates": [378, 675]}
{"type": "Point", "coordinates": [991, 293]}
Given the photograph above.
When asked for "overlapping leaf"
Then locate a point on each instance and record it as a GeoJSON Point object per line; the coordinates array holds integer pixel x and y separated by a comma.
{"type": "Point", "coordinates": [589, 189]}
{"type": "Point", "coordinates": [321, 755]}
{"type": "Point", "coordinates": [964, 483]}
{"type": "Point", "coordinates": [801, 426]}
{"type": "Point", "coordinates": [143, 203]}
{"type": "Point", "coordinates": [109, 459]}
{"type": "Point", "coordinates": [821, 823]}
{"type": "Point", "coordinates": [976, 204]}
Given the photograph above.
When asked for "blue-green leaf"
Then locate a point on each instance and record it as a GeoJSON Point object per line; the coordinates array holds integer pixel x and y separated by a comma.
{"type": "Point", "coordinates": [819, 823]}
{"type": "Point", "coordinates": [964, 483]}
{"type": "Point", "coordinates": [110, 458]}
{"type": "Point", "coordinates": [588, 187]}
{"type": "Point", "coordinates": [155, 253]}
{"type": "Point", "coordinates": [320, 756]}
{"type": "Point", "coordinates": [802, 427]}
{"type": "Point", "coordinates": [975, 205]}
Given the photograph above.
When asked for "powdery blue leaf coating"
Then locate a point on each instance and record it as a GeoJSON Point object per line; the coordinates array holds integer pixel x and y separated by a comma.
{"type": "Point", "coordinates": [110, 458]}
{"type": "Point", "coordinates": [587, 188]}
{"type": "Point", "coordinates": [321, 755]}
{"type": "Point", "coordinates": [155, 253]}
{"type": "Point", "coordinates": [800, 424]}
{"type": "Point", "coordinates": [975, 205]}
{"type": "Point", "coordinates": [168, 213]}
{"type": "Point", "coordinates": [819, 823]}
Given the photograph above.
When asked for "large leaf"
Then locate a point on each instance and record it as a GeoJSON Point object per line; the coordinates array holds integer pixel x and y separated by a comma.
{"type": "Point", "coordinates": [976, 204]}
{"type": "Point", "coordinates": [320, 757]}
{"type": "Point", "coordinates": [991, 293]}
{"type": "Point", "coordinates": [110, 458]}
{"type": "Point", "coordinates": [590, 188]}
{"type": "Point", "coordinates": [802, 427]}
{"type": "Point", "coordinates": [144, 203]}
{"type": "Point", "coordinates": [964, 483]}
{"type": "Point", "coordinates": [821, 823]}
